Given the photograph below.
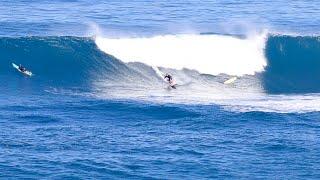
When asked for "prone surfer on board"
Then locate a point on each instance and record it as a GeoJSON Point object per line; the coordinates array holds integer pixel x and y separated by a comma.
{"type": "Point", "coordinates": [21, 68]}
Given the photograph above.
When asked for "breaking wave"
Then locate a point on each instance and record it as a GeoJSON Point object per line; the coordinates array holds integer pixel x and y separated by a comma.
{"type": "Point", "coordinates": [209, 54]}
{"type": "Point", "coordinates": [265, 64]}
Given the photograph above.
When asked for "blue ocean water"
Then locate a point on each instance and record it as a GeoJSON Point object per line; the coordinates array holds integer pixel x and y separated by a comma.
{"type": "Point", "coordinates": [97, 106]}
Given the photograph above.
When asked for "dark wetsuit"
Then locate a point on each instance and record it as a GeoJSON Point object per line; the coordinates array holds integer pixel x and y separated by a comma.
{"type": "Point", "coordinates": [170, 80]}
{"type": "Point", "coordinates": [22, 68]}
{"type": "Point", "coordinates": [168, 77]}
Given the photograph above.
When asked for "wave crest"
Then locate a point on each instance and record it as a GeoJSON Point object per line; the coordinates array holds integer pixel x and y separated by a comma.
{"type": "Point", "coordinates": [208, 54]}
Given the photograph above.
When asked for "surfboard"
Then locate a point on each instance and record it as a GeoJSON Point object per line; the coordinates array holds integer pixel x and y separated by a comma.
{"type": "Point", "coordinates": [173, 85]}
{"type": "Point", "coordinates": [28, 73]}
{"type": "Point", "coordinates": [231, 80]}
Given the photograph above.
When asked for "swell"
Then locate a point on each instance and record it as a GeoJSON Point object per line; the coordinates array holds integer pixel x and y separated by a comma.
{"type": "Point", "coordinates": [55, 61]}
{"type": "Point", "coordinates": [292, 65]}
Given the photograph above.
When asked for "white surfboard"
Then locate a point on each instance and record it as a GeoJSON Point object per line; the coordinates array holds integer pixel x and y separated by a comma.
{"type": "Point", "coordinates": [158, 72]}
{"type": "Point", "coordinates": [28, 73]}
{"type": "Point", "coordinates": [231, 80]}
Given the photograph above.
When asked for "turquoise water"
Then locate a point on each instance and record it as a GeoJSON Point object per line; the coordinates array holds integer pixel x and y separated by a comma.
{"type": "Point", "coordinates": [97, 106]}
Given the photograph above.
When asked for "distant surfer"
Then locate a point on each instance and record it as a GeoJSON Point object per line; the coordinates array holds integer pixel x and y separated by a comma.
{"type": "Point", "coordinates": [22, 69]}
{"type": "Point", "coordinates": [169, 79]}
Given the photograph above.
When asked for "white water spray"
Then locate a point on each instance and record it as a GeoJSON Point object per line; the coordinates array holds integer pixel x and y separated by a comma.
{"type": "Point", "coordinates": [209, 54]}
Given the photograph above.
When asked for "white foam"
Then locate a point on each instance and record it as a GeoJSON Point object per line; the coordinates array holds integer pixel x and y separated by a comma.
{"type": "Point", "coordinates": [209, 54]}
{"type": "Point", "coordinates": [278, 103]}
{"type": "Point", "coordinates": [236, 101]}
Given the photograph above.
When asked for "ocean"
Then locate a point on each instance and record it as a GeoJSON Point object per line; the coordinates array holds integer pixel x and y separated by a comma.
{"type": "Point", "coordinates": [97, 106]}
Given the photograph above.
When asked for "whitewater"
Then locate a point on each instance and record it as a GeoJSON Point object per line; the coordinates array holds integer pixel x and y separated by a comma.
{"type": "Point", "coordinates": [219, 56]}
{"type": "Point", "coordinates": [209, 54]}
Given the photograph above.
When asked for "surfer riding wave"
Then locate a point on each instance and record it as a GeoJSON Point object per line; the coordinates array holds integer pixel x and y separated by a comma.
{"type": "Point", "coordinates": [169, 79]}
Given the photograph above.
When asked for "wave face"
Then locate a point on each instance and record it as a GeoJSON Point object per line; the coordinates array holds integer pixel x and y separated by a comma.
{"type": "Point", "coordinates": [55, 61]}
{"type": "Point", "coordinates": [273, 64]}
{"type": "Point", "coordinates": [293, 65]}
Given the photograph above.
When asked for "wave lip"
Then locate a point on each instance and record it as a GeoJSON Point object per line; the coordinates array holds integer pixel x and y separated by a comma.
{"type": "Point", "coordinates": [208, 54]}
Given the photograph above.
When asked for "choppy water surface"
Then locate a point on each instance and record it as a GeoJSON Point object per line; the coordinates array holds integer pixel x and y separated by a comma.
{"type": "Point", "coordinates": [97, 105]}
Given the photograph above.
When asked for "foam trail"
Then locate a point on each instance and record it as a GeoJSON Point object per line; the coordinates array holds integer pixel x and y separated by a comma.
{"type": "Point", "coordinates": [158, 72]}
{"type": "Point", "coordinates": [210, 54]}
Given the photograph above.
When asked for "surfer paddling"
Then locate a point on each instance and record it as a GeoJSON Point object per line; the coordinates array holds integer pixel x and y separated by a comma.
{"type": "Point", "coordinates": [21, 68]}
